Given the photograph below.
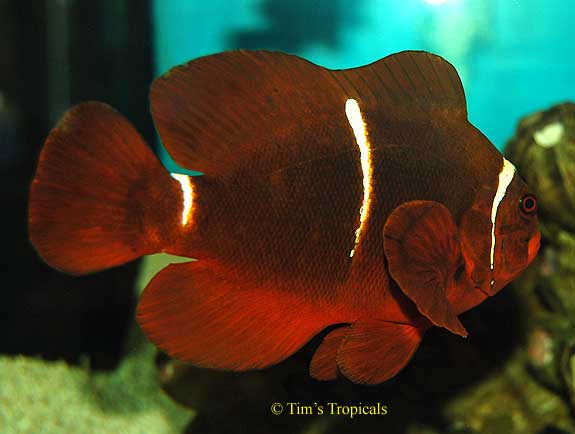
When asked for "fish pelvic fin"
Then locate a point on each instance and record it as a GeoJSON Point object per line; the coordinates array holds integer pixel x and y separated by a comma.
{"type": "Point", "coordinates": [100, 197]}
{"type": "Point", "coordinates": [374, 351]}
{"type": "Point", "coordinates": [323, 364]}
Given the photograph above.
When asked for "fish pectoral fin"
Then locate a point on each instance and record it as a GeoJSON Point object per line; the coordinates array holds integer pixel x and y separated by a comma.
{"type": "Point", "coordinates": [323, 364]}
{"type": "Point", "coordinates": [198, 313]}
{"type": "Point", "coordinates": [374, 351]}
{"type": "Point", "coordinates": [423, 251]}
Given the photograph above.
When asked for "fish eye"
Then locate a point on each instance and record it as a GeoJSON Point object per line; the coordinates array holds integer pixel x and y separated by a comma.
{"type": "Point", "coordinates": [528, 204]}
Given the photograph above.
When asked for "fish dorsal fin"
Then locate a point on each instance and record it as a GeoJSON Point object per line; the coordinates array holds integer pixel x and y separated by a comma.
{"type": "Point", "coordinates": [410, 84]}
{"type": "Point", "coordinates": [247, 110]}
{"type": "Point", "coordinates": [257, 111]}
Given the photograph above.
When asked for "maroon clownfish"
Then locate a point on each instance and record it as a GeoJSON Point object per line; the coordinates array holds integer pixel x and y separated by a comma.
{"type": "Point", "coordinates": [361, 198]}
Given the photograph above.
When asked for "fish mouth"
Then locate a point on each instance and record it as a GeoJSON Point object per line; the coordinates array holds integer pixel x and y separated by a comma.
{"type": "Point", "coordinates": [533, 246]}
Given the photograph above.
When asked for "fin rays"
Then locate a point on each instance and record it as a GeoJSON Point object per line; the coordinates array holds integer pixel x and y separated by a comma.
{"type": "Point", "coordinates": [242, 108]}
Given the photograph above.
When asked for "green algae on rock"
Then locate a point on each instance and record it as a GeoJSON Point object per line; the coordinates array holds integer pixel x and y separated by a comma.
{"type": "Point", "coordinates": [38, 396]}
{"type": "Point", "coordinates": [543, 149]}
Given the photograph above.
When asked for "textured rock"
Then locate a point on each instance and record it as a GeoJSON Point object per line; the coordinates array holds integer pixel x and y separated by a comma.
{"type": "Point", "coordinates": [543, 149]}
{"type": "Point", "coordinates": [544, 152]}
{"type": "Point", "coordinates": [41, 397]}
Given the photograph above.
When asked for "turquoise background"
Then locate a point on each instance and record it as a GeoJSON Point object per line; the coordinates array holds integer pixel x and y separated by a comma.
{"type": "Point", "coordinates": [514, 56]}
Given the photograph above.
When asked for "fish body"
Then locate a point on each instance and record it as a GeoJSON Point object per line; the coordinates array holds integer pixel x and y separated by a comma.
{"type": "Point", "coordinates": [361, 198]}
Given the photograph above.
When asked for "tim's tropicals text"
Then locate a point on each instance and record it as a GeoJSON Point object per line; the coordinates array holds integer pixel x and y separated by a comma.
{"type": "Point", "coordinates": [329, 408]}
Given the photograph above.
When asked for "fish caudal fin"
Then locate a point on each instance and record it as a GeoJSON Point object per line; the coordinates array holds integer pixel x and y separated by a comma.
{"type": "Point", "coordinates": [93, 204]}
{"type": "Point", "coordinates": [201, 314]}
{"type": "Point", "coordinates": [374, 351]}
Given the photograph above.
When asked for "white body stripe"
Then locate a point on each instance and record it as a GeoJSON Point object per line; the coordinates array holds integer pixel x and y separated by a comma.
{"type": "Point", "coordinates": [505, 177]}
{"type": "Point", "coordinates": [353, 113]}
{"type": "Point", "coordinates": [188, 195]}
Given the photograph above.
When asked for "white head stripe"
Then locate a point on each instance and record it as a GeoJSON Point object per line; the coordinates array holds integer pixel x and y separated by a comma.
{"type": "Point", "coordinates": [358, 126]}
{"type": "Point", "coordinates": [188, 195]}
{"type": "Point", "coordinates": [505, 177]}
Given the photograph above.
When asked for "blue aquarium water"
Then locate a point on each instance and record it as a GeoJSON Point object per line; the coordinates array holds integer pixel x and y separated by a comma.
{"type": "Point", "coordinates": [514, 56]}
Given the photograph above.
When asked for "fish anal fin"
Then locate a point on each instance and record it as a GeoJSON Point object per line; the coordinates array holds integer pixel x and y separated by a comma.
{"type": "Point", "coordinates": [374, 351]}
{"type": "Point", "coordinates": [423, 251]}
{"type": "Point", "coordinates": [323, 364]}
{"type": "Point", "coordinates": [198, 313]}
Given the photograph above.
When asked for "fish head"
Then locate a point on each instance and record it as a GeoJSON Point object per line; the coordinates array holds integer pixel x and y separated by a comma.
{"type": "Point", "coordinates": [516, 235]}
{"type": "Point", "coordinates": [500, 233]}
